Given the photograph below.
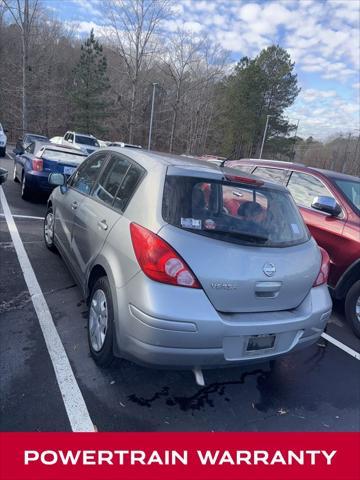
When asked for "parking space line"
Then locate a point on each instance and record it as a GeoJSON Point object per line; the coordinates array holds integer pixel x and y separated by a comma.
{"type": "Point", "coordinates": [11, 158]}
{"type": "Point", "coordinates": [342, 346]}
{"type": "Point", "coordinates": [75, 406]}
{"type": "Point", "coordinates": [31, 217]}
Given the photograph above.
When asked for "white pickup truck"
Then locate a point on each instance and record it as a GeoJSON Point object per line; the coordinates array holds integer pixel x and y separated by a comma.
{"type": "Point", "coordinates": [3, 140]}
{"type": "Point", "coordinates": [84, 142]}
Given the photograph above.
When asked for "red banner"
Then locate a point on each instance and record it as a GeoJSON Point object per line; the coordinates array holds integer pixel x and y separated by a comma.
{"type": "Point", "coordinates": [255, 456]}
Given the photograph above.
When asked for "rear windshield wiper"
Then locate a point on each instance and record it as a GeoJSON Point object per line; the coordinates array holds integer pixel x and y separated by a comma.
{"type": "Point", "coordinates": [233, 233]}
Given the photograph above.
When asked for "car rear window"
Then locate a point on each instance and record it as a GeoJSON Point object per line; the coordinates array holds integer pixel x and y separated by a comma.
{"type": "Point", "coordinates": [37, 138]}
{"type": "Point", "coordinates": [63, 157]}
{"type": "Point", "coordinates": [234, 212]}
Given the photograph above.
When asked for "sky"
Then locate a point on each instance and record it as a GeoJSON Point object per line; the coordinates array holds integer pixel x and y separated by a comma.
{"type": "Point", "coordinates": [322, 37]}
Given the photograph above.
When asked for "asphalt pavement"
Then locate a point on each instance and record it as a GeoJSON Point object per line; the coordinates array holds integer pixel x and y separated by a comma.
{"type": "Point", "coordinates": [317, 389]}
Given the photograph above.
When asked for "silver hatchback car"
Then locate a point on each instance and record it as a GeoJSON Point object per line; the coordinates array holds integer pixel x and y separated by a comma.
{"type": "Point", "coordinates": [186, 264]}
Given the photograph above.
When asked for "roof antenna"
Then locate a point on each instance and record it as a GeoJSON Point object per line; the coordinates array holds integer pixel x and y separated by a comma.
{"type": "Point", "coordinates": [222, 164]}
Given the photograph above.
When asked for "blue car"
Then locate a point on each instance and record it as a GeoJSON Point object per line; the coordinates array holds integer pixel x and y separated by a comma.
{"type": "Point", "coordinates": [33, 166]}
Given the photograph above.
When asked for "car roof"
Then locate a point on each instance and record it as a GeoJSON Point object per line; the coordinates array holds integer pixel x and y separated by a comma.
{"type": "Point", "coordinates": [151, 160]}
{"type": "Point", "coordinates": [264, 161]}
{"type": "Point", "coordinates": [35, 135]}
{"type": "Point", "coordinates": [124, 144]}
{"type": "Point", "coordinates": [335, 175]}
{"type": "Point", "coordinates": [302, 167]}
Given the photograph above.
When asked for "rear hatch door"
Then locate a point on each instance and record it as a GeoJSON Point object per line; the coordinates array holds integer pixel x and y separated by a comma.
{"type": "Point", "coordinates": [246, 242]}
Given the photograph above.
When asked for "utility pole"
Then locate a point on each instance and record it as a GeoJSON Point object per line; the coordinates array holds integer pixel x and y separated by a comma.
{"type": "Point", "coordinates": [264, 136]}
{"type": "Point", "coordinates": [293, 145]}
{"type": "Point", "coordinates": [152, 114]}
{"type": "Point", "coordinates": [356, 159]}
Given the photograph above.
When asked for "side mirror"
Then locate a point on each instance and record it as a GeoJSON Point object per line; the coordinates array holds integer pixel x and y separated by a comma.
{"type": "Point", "coordinates": [57, 179]}
{"type": "Point", "coordinates": [326, 205]}
{"type": "Point", "coordinates": [3, 175]}
{"type": "Point", "coordinates": [70, 140]}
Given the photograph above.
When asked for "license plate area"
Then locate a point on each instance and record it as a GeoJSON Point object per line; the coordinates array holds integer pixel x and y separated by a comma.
{"type": "Point", "coordinates": [258, 343]}
{"type": "Point", "coordinates": [69, 170]}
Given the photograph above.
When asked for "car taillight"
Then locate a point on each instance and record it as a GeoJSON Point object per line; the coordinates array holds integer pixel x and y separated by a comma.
{"type": "Point", "coordinates": [37, 165]}
{"type": "Point", "coordinates": [159, 261]}
{"type": "Point", "coordinates": [324, 269]}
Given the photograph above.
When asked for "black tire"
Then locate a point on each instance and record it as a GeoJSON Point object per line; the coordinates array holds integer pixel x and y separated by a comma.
{"type": "Point", "coordinates": [49, 239]}
{"type": "Point", "coordinates": [25, 190]}
{"type": "Point", "coordinates": [103, 356]}
{"type": "Point", "coordinates": [2, 151]}
{"type": "Point", "coordinates": [352, 298]}
{"type": "Point", "coordinates": [14, 174]}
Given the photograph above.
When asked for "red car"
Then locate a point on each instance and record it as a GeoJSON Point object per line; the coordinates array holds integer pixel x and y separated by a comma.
{"type": "Point", "coordinates": [330, 205]}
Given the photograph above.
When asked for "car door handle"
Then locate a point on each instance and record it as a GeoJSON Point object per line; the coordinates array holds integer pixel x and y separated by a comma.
{"type": "Point", "coordinates": [102, 224]}
{"type": "Point", "coordinates": [74, 205]}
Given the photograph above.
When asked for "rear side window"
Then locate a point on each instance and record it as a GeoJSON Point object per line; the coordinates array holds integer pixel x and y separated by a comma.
{"type": "Point", "coordinates": [233, 212]}
{"type": "Point", "coordinates": [86, 141]}
{"type": "Point", "coordinates": [273, 174]}
{"type": "Point", "coordinates": [304, 188]}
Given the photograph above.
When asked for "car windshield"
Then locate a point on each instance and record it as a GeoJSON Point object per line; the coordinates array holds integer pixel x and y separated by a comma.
{"type": "Point", "coordinates": [351, 190]}
{"type": "Point", "coordinates": [239, 213]}
{"type": "Point", "coordinates": [83, 140]}
{"type": "Point", "coordinates": [63, 157]}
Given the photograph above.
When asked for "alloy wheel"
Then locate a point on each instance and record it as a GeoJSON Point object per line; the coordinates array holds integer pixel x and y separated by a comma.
{"type": "Point", "coordinates": [357, 309]}
{"type": "Point", "coordinates": [98, 320]}
{"type": "Point", "coordinates": [49, 228]}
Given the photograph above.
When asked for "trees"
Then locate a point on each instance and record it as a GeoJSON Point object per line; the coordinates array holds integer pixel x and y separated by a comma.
{"type": "Point", "coordinates": [182, 53]}
{"type": "Point", "coordinates": [89, 89]}
{"type": "Point", "coordinates": [134, 25]}
{"type": "Point", "coordinates": [340, 153]}
{"type": "Point", "coordinates": [262, 86]}
{"type": "Point", "coordinates": [197, 108]}
{"type": "Point", "coordinates": [24, 14]}
{"type": "Point", "coordinates": [51, 53]}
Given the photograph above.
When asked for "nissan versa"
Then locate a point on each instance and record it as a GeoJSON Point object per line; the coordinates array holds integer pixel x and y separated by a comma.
{"type": "Point", "coordinates": [186, 264]}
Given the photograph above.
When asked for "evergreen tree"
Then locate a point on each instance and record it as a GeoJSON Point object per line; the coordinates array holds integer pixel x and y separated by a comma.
{"type": "Point", "coordinates": [265, 85]}
{"type": "Point", "coordinates": [90, 88]}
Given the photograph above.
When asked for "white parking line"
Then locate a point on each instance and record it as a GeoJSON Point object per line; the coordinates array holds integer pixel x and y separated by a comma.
{"type": "Point", "coordinates": [75, 406]}
{"type": "Point", "coordinates": [11, 158]}
{"type": "Point", "coordinates": [342, 346]}
{"type": "Point", "coordinates": [24, 216]}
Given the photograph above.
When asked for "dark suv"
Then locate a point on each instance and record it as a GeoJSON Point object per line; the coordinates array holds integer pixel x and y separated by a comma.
{"type": "Point", "coordinates": [330, 205]}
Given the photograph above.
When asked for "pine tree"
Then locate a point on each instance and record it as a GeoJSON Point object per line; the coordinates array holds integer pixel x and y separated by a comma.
{"type": "Point", "coordinates": [90, 88]}
{"type": "Point", "coordinates": [265, 85]}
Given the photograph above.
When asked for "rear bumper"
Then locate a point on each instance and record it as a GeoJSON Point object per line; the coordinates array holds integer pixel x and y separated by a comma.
{"type": "Point", "coordinates": [198, 335]}
{"type": "Point", "coordinates": [38, 181]}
